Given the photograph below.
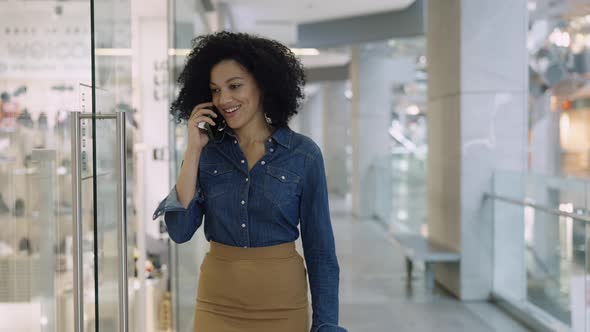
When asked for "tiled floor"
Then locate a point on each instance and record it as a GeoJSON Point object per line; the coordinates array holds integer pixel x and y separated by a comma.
{"type": "Point", "coordinates": [373, 292]}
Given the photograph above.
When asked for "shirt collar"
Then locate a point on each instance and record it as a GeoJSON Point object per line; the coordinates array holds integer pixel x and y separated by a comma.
{"type": "Point", "coordinates": [281, 135]}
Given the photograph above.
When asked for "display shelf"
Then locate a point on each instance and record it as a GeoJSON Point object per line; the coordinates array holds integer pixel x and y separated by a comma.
{"type": "Point", "coordinates": [24, 171]}
{"type": "Point", "coordinates": [18, 275]}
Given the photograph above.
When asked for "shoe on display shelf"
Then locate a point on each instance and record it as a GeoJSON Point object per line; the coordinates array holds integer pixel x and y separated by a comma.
{"type": "Point", "coordinates": [24, 119]}
{"type": "Point", "coordinates": [42, 121]}
{"type": "Point", "coordinates": [3, 207]}
{"type": "Point", "coordinates": [19, 207]}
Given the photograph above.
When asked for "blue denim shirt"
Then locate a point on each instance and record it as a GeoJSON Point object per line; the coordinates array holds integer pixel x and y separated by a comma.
{"type": "Point", "coordinates": [263, 207]}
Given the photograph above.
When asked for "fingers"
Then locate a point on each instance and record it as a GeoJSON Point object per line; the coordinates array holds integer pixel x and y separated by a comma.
{"type": "Point", "coordinates": [202, 113]}
{"type": "Point", "coordinates": [199, 119]}
{"type": "Point", "coordinates": [203, 108]}
{"type": "Point", "coordinates": [207, 104]}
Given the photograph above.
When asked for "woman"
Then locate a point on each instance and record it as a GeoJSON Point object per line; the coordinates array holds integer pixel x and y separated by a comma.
{"type": "Point", "coordinates": [254, 183]}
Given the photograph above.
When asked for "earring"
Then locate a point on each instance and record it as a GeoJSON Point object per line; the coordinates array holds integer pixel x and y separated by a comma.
{"type": "Point", "coordinates": [268, 119]}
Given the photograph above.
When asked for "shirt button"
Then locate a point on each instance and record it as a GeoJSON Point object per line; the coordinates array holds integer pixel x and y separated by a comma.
{"type": "Point", "coordinates": [245, 246]}
{"type": "Point", "coordinates": [243, 202]}
{"type": "Point", "coordinates": [235, 142]}
{"type": "Point", "coordinates": [269, 140]}
{"type": "Point", "coordinates": [247, 179]}
{"type": "Point", "coordinates": [272, 150]}
{"type": "Point", "coordinates": [243, 225]}
{"type": "Point", "coordinates": [243, 161]}
{"type": "Point", "coordinates": [282, 177]}
{"type": "Point", "coordinates": [215, 172]}
{"type": "Point", "coordinates": [263, 162]}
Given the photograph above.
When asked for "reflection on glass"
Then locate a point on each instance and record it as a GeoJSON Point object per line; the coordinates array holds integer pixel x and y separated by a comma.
{"type": "Point", "coordinates": [44, 55]}
{"type": "Point", "coordinates": [45, 73]}
{"type": "Point", "coordinates": [554, 266]}
{"type": "Point", "coordinates": [112, 92]}
{"type": "Point", "coordinates": [552, 249]}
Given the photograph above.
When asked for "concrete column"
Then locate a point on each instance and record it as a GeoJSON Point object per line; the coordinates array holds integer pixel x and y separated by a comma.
{"type": "Point", "coordinates": [311, 116]}
{"type": "Point", "coordinates": [336, 135]}
{"type": "Point", "coordinates": [372, 78]}
{"type": "Point", "coordinates": [477, 109]}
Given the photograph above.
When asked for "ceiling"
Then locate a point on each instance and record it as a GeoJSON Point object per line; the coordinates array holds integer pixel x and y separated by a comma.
{"type": "Point", "coordinates": [557, 8]}
{"type": "Point", "coordinates": [278, 19]}
{"type": "Point", "coordinates": [313, 10]}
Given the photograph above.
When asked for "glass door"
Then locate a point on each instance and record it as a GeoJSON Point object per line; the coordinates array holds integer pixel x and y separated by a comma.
{"type": "Point", "coordinates": [107, 297]}
{"type": "Point", "coordinates": [99, 196]}
{"type": "Point", "coordinates": [45, 53]}
{"type": "Point", "coordinates": [65, 77]}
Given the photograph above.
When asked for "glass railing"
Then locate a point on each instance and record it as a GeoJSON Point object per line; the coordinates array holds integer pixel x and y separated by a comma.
{"type": "Point", "coordinates": [541, 231]}
{"type": "Point", "coordinates": [377, 189]}
{"type": "Point", "coordinates": [394, 192]}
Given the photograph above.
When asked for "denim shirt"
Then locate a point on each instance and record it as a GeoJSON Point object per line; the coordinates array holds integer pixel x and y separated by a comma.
{"type": "Point", "coordinates": [263, 207]}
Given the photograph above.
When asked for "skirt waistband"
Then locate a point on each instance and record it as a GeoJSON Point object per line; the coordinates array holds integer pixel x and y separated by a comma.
{"type": "Point", "coordinates": [284, 250]}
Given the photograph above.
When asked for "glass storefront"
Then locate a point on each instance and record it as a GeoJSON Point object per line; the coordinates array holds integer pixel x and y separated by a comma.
{"type": "Point", "coordinates": [57, 58]}
{"type": "Point", "coordinates": [559, 58]}
{"type": "Point", "coordinates": [554, 262]}
{"type": "Point", "coordinates": [185, 21]}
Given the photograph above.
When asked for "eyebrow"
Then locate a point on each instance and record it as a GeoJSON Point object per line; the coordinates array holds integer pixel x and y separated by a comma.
{"type": "Point", "coordinates": [229, 79]}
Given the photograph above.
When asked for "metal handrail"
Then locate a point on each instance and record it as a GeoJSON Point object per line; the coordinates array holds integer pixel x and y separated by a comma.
{"type": "Point", "coordinates": [582, 217]}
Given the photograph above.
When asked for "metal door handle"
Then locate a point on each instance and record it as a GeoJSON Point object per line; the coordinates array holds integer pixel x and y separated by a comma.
{"type": "Point", "coordinates": [77, 217]}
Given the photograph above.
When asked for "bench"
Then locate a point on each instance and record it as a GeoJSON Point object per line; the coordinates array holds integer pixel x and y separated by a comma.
{"type": "Point", "coordinates": [417, 248]}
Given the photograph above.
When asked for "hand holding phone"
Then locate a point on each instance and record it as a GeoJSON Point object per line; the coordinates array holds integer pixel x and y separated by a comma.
{"type": "Point", "coordinates": [197, 137]}
{"type": "Point", "coordinates": [213, 132]}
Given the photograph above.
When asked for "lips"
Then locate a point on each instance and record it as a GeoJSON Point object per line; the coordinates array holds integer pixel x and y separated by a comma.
{"type": "Point", "coordinates": [231, 112]}
{"type": "Point", "coordinates": [232, 109]}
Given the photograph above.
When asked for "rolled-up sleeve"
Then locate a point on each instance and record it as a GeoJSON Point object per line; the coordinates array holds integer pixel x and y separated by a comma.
{"type": "Point", "coordinates": [181, 223]}
{"type": "Point", "coordinates": [319, 247]}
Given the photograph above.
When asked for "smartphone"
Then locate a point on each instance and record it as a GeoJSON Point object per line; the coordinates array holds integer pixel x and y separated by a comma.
{"type": "Point", "coordinates": [214, 132]}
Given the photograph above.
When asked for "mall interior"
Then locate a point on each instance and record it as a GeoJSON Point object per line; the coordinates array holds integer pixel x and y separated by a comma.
{"type": "Point", "coordinates": [455, 134]}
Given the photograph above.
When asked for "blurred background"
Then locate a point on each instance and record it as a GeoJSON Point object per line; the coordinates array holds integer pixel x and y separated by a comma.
{"type": "Point", "coordinates": [456, 139]}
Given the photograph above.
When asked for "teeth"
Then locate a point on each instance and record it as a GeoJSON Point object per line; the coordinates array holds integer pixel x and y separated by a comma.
{"type": "Point", "coordinates": [233, 109]}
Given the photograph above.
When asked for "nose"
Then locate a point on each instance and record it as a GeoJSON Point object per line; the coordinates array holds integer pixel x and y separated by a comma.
{"type": "Point", "coordinates": [224, 97]}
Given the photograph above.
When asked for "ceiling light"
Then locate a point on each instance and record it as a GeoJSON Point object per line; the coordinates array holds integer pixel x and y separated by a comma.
{"type": "Point", "coordinates": [579, 43]}
{"type": "Point", "coordinates": [532, 6]}
{"type": "Point", "coordinates": [402, 215]}
{"type": "Point", "coordinates": [422, 60]}
{"type": "Point", "coordinates": [348, 94]}
{"type": "Point", "coordinates": [179, 51]}
{"type": "Point", "coordinates": [560, 38]}
{"type": "Point", "coordinates": [413, 110]}
{"type": "Point", "coordinates": [305, 51]}
{"type": "Point", "coordinates": [112, 52]}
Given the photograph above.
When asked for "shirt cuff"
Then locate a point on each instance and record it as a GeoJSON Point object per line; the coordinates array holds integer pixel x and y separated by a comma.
{"type": "Point", "coordinates": [327, 327]}
{"type": "Point", "coordinates": [171, 203]}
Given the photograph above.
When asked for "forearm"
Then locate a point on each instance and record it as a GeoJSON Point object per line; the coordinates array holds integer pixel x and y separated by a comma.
{"type": "Point", "coordinates": [324, 279]}
{"type": "Point", "coordinates": [186, 183]}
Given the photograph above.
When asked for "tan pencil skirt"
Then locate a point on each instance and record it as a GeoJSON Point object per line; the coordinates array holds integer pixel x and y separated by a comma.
{"type": "Point", "coordinates": [252, 289]}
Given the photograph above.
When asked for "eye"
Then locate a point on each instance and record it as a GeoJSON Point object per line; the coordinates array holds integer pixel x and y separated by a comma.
{"type": "Point", "coordinates": [234, 86]}
{"type": "Point", "coordinates": [214, 90]}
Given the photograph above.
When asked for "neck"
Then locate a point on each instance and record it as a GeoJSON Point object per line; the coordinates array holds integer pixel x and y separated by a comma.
{"type": "Point", "coordinates": [254, 132]}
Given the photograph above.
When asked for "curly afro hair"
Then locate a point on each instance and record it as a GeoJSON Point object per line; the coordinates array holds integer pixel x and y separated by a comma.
{"type": "Point", "coordinates": [277, 71]}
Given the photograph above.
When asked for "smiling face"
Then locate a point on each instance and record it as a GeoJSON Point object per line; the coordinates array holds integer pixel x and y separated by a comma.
{"type": "Point", "coordinates": [235, 94]}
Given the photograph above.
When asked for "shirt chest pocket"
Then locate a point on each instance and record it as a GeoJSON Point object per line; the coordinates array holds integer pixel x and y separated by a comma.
{"type": "Point", "coordinates": [281, 186]}
{"type": "Point", "coordinates": [215, 179]}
